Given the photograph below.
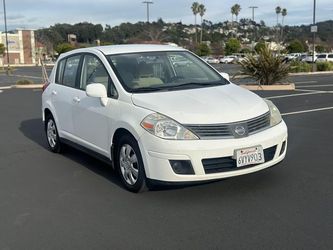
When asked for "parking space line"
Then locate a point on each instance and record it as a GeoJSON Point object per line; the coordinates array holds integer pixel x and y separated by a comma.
{"type": "Point", "coordinates": [6, 87]}
{"type": "Point", "coordinates": [304, 82]}
{"type": "Point", "coordinates": [1, 91]}
{"type": "Point", "coordinates": [26, 76]}
{"type": "Point", "coordinates": [315, 86]}
{"type": "Point", "coordinates": [314, 91]}
{"type": "Point", "coordinates": [307, 111]}
{"type": "Point", "coordinates": [291, 95]}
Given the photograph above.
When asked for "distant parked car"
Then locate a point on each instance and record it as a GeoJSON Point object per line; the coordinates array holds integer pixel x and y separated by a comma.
{"type": "Point", "coordinates": [309, 58]}
{"type": "Point", "coordinates": [212, 60]}
{"type": "Point", "coordinates": [228, 59]}
{"type": "Point", "coordinates": [325, 57]}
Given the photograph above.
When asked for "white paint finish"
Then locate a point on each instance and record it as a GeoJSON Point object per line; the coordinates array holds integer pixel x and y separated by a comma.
{"type": "Point", "coordinates": [292, 95]}
{"type": "Point", "coordinates": [315, 86]}
{"type": "Point", "coordinates": [307, 111]}
{"type": "Point", "coordinates": [304, 82]}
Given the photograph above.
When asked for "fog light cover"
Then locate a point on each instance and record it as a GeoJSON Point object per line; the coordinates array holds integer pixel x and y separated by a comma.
{"type": "Point", "coordinates": [182, 166]}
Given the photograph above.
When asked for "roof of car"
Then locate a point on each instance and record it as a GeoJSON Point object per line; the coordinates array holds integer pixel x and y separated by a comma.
{"type": "Point", "coordinates": [132, 48]}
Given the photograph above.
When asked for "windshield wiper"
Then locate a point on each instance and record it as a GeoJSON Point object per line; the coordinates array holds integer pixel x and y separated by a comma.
{"type": "Point", "coordinates": [148, 89]}
{"type": "Point", "coordinates": [200, 84]}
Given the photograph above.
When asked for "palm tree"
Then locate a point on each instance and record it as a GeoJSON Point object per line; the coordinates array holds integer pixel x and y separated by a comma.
{"type": "Point", "coordinates": [237, 9]}
{"type": "Point", "coordinates": [195, 10]}
{"type": "Point", "coordinates": [278, 12]}
{"type": "Point", "coordinates": [232, 10]}
{"type": "Point", "coordinates": [202, 10]}
{"type": "Point", "coordinates": [283, 13]}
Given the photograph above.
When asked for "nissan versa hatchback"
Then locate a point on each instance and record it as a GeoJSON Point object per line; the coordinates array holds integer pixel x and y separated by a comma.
{"type": "Point", "coordinates": [159, 113]}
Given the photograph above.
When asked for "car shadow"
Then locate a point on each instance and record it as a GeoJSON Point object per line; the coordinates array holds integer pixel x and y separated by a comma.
{"type": "Point", "coordinates": [33, 129]}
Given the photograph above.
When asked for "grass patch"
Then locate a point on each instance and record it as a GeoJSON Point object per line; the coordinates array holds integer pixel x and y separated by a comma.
{"type": "Point", "coordinates": [24, 82]}
{"type": "Point", "coordinates": [324, 66]}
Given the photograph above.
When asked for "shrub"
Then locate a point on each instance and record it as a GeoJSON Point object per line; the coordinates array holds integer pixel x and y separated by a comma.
{"type": "Point", "coordinates": [24, 82]}
{"type": "Point", "coordinates": [265, 67]}
{"type": "Point", "coordinates": [296, 67]}
{"type": "Point", "coordinates": [324, 66]}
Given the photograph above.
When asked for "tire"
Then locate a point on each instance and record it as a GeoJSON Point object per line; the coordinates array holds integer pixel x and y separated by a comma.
{"type": "Point", "coordinates": [129, 164]}
{"type": "Point", "coordinates": [52, 135]}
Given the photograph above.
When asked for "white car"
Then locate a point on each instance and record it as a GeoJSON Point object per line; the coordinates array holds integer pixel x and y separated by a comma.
{"type": "Point", "coordinates": [228, 59]}
{"type": "Point", "coordinates": [326, 57]}
{"type": "Point", "coordinates": [212, 60]}
{"type": "Point", "coordinates": [130, 105]}
{"type": "Point", "coordinates": [309, 58]}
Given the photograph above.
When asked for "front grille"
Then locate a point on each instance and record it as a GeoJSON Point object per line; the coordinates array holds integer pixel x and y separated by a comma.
{"type": "Point", "coordinates": [225, 164]}
{"type": "Point", "coordinates": [228, 130]}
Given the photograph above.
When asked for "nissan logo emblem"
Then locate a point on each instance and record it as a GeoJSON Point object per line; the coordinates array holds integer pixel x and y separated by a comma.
{"type": "Point", "coordinates": [240, 130]}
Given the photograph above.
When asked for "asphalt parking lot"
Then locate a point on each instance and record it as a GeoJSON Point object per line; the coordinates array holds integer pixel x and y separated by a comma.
{"type": "Point", "coordinates": [73, 201]}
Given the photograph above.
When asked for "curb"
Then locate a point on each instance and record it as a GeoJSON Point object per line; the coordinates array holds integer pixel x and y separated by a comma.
{"type": "Point", "coordinates": [30, 86]}
{"type": "Point", "coordinates": [311, 73]}
{"type": "Point", "coordinates": [269, 87]}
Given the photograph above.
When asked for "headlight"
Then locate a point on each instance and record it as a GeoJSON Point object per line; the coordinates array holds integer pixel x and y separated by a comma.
{"type": "Point", "coordinates": [275, 113]}
{"type": "Point", "coordinates": [166, 128]}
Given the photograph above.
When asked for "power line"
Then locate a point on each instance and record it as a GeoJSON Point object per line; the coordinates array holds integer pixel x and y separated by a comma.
{"type": "Point", "coordinates": [148, 3]}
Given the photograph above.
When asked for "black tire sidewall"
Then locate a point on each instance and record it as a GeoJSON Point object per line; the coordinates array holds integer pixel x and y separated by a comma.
{"type": "Point", "coordinates": [140, 184]}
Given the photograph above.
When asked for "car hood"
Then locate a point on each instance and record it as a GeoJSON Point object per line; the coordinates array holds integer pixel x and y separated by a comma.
{"type": "Point", "coordinates": [219, 104]}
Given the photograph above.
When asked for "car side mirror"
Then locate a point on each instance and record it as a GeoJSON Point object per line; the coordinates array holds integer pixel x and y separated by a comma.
{"type": "Point", "coordinates": [97, 90]}
{"type": "Point", "coordinates": [225, 76]}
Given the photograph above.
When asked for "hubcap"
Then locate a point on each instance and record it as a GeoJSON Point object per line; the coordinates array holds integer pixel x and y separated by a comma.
{"type": "Point", "coordinates": [128, 164]}
{"type": "Point", "coordinates": [51, 133]}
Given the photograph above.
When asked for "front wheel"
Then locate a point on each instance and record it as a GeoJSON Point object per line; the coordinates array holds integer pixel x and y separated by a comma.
{"type": "Point", "coordinates": [130, 165]}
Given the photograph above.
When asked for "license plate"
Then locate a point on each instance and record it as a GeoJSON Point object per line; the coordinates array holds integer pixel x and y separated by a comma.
{"type": "Point", "coordinates": [249, 156]}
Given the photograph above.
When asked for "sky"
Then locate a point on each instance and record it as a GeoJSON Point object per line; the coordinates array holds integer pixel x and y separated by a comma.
{"type": "Point", "coordinates": [34, 14]}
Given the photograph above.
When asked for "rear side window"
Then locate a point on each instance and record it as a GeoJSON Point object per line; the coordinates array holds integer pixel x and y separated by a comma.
{"type": "Point", "coordinates": [60, 71]}
{"type": "Point", "coordinates": [330, 56]}
{"type": "Point", "coordinates": [70, 71]}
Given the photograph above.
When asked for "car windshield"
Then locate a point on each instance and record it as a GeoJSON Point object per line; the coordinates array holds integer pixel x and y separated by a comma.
{"type": "Point", "coordinates": [163, 71]}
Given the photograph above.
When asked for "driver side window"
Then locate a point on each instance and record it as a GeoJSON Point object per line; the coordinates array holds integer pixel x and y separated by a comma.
{"type": "Point", "coordinates": [93, 71]}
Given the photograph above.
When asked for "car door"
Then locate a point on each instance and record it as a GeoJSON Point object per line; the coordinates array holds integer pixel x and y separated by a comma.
{"type": "Point", "coordinates": [93, 121]}
{"type": "Point", "coordinates": [63, 92]}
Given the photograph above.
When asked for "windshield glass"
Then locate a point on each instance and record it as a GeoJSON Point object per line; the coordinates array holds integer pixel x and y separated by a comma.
{"type": "Point", "coordinates": [163, 71]}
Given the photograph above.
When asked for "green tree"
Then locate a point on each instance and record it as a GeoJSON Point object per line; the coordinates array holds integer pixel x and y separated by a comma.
{"type": "Point", "coordinates": [195, 10]}
{"type": "Point", "coordinates": [232, 46]}
{"type": "Point", "coordinates": [64, 47]}
{"type": "Point", "coordinates": [2, 49]}
{"type": "Point", "coordinates": [320, 49]}
{"type": "Point", "coordinates": [295, 47]}
{"type": "Point", "coordinates": [202, 11]}
{"type": "Point", "coordinates": [203, 50]}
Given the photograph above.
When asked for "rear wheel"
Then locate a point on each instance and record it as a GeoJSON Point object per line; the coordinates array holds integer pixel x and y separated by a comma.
{"type": "Point", "coordinates": [130, 165]}
{"type": "Point", "coordinates": [52, 135]}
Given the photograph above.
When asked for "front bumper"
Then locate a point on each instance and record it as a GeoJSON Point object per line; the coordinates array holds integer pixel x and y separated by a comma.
{"type": "Point", "coordinates": [157, 152]}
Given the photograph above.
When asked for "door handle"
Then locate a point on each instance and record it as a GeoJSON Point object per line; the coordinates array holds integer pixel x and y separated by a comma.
{"type": "Point", "coordinates": [76, 99]}
{"type": "Point", "coordinates": [54, 92]}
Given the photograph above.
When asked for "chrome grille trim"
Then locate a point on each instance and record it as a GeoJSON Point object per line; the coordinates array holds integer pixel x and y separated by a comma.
{"type": "Point", "coordinates": [226, 130]}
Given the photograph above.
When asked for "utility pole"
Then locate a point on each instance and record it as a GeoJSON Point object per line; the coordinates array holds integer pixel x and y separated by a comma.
{"type": "Point", "coordinates": [148, 3]}
{"type": "Point", "coordinates": [314, 30]}
{"type": "Point", "coordinates": [5, 17]}
{"type": "Point", "coordinates": [253, 7]}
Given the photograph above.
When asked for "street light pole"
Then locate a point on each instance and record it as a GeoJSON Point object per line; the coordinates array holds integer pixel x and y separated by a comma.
{"type": "Point", "coordinates": [253, 7]}
{"type": "Point", "coordinates": [314, 36]}
{"type": "Point", "coordinates": [148, 3]}
{"type": "Point", "coordinates": [5, 17]}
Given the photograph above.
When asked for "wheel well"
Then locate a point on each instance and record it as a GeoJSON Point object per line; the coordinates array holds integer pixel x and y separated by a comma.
{"type": "Point", "coordinates": [117, 135]}
{"type": "Point", "coordinates": [47, 113]}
